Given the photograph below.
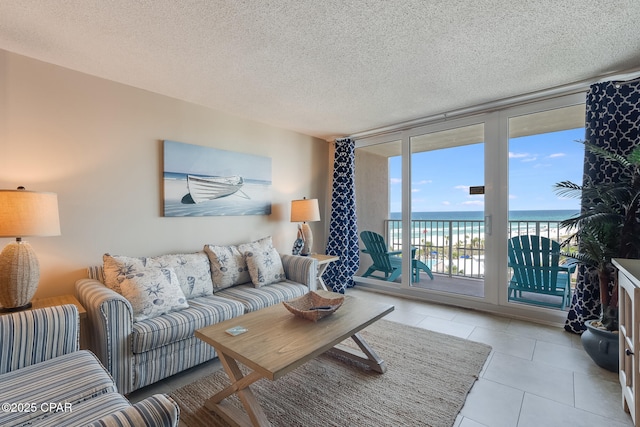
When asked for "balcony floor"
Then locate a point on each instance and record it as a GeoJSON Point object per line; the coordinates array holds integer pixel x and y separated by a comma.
{"type": "Point", "coordinates": [469, 287]}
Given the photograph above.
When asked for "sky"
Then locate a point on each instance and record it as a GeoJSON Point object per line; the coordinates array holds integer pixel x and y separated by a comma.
{"type": "Point", "coordinates": [441, 178]}
{"type": "Point", "coordinates": [196, 159]}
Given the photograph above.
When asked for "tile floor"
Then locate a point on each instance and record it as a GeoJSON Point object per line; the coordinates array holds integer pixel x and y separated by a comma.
{"type": "Point", "coordinates": [535, 376]}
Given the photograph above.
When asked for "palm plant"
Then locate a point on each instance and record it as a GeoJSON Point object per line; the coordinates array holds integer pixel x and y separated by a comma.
{"type": "Point", "coordinates": [608, 225]}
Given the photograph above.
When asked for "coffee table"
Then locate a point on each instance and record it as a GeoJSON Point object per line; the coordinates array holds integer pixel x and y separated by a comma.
{"type": "Point", "coordinates": [277, 342]}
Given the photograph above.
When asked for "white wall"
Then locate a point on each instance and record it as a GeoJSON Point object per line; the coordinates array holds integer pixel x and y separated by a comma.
{"type": "Point", "coordinates": [98, 144]}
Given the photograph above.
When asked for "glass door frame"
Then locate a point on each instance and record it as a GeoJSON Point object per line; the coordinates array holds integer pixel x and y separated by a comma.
{"type": "Point", "coordinates": [407, 193]}
{"type": "Point", "coordinates": [405, 138]}
{"type": "Point", "coordinates": [505, 116]}
{"type": "Point", "coordinates": [496, 158]}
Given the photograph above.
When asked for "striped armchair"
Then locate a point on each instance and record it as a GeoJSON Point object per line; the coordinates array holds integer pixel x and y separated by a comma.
{"type": "Point", "coordinates": [47, 381]}
{"type": "Point", "coordinates": [139, 353]}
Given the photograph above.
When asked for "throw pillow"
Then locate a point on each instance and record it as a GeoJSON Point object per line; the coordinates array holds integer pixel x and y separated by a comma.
{"type": "Point", "coordinates": [257, 245]}
{"type": "Point", "coordinates": [265, 266]}
{"type": "Point", "coordinates": [228, 267]}
{"type": "Point", "coordinates": [152, 292]}
{"type": "Point", "coordinates": [192, 271]}
{"type": "Point", "coordinates": [119, 268]}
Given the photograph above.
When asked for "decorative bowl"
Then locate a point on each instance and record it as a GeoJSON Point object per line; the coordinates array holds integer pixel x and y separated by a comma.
{"type": "Point", "coordinates": [312, 306]}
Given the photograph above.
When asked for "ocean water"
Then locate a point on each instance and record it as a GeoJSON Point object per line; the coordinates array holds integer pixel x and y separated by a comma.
{"type": "Point", "coordinates": [531, 215]}
{"type": "Point", "coordinates": [459, 226]}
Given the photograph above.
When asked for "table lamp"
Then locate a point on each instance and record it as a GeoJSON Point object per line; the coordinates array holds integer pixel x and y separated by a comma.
{"type": "Point", "coordinates": [305, 210]}
{"type": "Point", "coordinates": [23, 214]}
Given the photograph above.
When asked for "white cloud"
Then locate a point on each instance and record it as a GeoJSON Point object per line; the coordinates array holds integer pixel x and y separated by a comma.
{"type": "Point", "coordinates": [555, 155]}
{"type": "Point", "coordinates": [530, 159]}
{"type": "Point", "coordinates": [513, 155]}
{"type": "Point", "coordinates": [423, 182]}
{"type": "Point", "coordinates": [512, 196]}
{"type": "Point", "coordinates": [395, 180]}
{"type": "Point", "coordinates": [474, 203]}
{"type": "Point", "coordinates": [446, 203]}
{"type": "Point", "coordinates": [415, 190]}
{"type": "Point", "coordinates": [462, 187]}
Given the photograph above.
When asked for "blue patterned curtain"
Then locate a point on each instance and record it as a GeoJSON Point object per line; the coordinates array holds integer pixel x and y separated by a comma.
{"type": "Point", "coordinates": [612, 122]}
{"type": "Point", "coordinates": [343, 227]}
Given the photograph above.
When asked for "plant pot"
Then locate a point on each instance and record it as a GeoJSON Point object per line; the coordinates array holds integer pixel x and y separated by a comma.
{"type": "Point", "coordinates": [602, 346]}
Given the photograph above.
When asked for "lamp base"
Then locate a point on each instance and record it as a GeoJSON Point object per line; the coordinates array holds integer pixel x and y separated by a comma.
{"type": "Point", "coordinates": [15, 309]}
{"type": "Point", "coordinates": [307, 237]}
{"type": "Point", "coordinates": [19, 275]}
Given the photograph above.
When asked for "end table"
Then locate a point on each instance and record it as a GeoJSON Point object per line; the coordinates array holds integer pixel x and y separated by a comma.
{"type": "Point", "coordinates": [323, 263]}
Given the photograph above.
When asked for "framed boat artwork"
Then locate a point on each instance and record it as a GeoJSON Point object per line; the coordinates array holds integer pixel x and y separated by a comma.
{"type": "Point", "coordinates": [205, 181]}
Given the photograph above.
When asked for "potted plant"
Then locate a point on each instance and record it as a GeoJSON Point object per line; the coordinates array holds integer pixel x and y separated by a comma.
{"type": "Point", "coordinates": [607, 227]}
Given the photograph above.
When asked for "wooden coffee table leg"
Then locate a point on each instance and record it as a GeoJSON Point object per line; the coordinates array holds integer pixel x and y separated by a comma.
{"type": "Point", "coordinates": [240, 386]}
{"type": "Point", "coordinates": [374, 361]}
{"type": "Point", "coordinates": [368, 356]}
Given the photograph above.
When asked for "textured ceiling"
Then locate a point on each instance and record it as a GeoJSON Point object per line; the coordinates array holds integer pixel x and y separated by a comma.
{"type": "Point", "coordinates": [331, 67]}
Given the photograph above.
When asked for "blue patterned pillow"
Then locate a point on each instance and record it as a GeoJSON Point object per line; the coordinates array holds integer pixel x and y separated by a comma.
{"type": "Point", "coordinates": [152, 292]}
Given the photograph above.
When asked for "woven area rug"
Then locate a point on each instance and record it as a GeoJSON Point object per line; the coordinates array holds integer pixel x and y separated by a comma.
{"type": "Point", "coordinates": [427, 380]}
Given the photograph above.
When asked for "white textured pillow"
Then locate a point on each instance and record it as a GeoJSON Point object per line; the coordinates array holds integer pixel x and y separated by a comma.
{"type": "Point", "coordinates": [192, 270]}
{"type": "Point", "coordinates": [257, 245]}
{"type": "Point", "coordinates": [228, 267]}
{"type": "Point", "coordinates": [119, 268]}
{"type": "Point", "coordinates": [228, 264]}
{"type": "Point", "coordinates": [265, 267]}
{"type": "Point", "coordinates": [152, 292]}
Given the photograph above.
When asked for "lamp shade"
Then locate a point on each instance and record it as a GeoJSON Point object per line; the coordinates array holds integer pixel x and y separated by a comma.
{"type": "Point", "coordinates": [28, 213]}
{"type": "Point", "coordinates": [305, 210]}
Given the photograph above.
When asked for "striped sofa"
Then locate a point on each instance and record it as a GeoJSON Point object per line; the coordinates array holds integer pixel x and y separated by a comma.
{"type": "Point", "coordinates": [47, 381]}
{"type": "Point", "coordinates": [139, 353]}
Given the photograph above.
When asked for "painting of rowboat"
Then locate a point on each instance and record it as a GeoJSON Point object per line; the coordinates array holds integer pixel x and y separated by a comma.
{"type": "Point", "coordinates": [205, 188]}
{"type": "Point", "coordinates": [204, 181]}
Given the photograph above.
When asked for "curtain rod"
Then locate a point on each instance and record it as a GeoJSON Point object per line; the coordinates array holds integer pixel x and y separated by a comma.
{"type": "Point", "coordinates": [620, 83]}
{"type": "Point", "coordinates": [557, 91]}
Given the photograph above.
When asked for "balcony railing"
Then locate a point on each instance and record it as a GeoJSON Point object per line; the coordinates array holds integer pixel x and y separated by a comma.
{"type": "Point", "coordinates": [456, 247]}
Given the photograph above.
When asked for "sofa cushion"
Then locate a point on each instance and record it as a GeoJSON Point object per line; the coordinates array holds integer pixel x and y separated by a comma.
{"type": "Point", "coordinates": [156, 410]}
{"type": "Point", "coordinates": [265, 266]}
{"type": "Point", "coordinates": [152, 292]}
{"type": "Point", "coordinates": [256, 298]}
{"type": "Point", "coordinates": [228, 267]}
{"type": "Point", "coordinates": [33, 336]}
{"type": "Point", "coordinates": [71, 378]}
{"type": "Point", "coordinates": [162, 362]}
{"type": "Point", "coordinates": [175, 326]}
{"type": "Point", "coordinates": [82, 412]}
{"type": "Point", "coordinates": [192, 270]}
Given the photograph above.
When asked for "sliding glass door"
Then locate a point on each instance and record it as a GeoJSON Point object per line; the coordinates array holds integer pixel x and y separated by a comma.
{"type": "Point", "coordinates": [544, 149]}
{"type": "Point", "coordinates": [447, 210]}
{"type": "Point", "coordinates": [447, 196]}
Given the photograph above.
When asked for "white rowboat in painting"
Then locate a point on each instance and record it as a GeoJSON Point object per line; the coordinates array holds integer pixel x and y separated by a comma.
{"type": "Point", "coordinates": [209, 188]}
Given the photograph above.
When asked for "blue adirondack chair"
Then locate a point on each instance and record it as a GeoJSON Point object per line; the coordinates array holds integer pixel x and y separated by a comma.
{"type": "Point", "coordinates": [388, 262]}
{"type": "Point", "coordinates": [535, 261]}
